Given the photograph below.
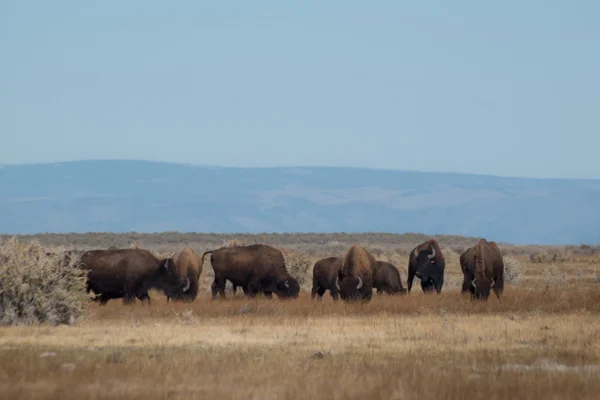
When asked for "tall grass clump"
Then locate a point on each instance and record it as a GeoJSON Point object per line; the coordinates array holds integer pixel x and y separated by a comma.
{"type": "Point", "coordinates": [299, 265]}
{"type": "Point", "coordinates": [513, 270]}
{"type": "Point", "coordinates": [38, 287]}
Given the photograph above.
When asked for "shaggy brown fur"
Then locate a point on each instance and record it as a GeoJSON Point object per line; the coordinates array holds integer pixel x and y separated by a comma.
{"type": "Point", "coordinates": [186, 264]}
{"type": "Point", "coordinates": [257, 268]}
{"type": "Point", "coordinates": [386, 278]}
{"type": "Point", "coordinates": [430, 270]}
{"type": "Point", "coordinates": [483, 269]}
{"type": "Point", "coordinates": [355, 276]}
{"type": "Point", "coordinates": [127, 274]}
{"type": "Point", "coordinates": [325, 272]}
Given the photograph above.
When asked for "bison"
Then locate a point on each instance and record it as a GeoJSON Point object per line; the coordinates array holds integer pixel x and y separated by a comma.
{"type": "Point", "coordinates": [256, 268]}
{"type": "Point", "coordinates": [427, 263]}
{"type": "Point", "coordinates": [325, 272]}
{"type": "Point", "coordinates": [386, 278]}
{"type": "Point", "coordinates": [186, 264]}
{"type": "Point", "coordinates": [127, 274]}
{"type": "Point", "coordinates": [354, 280]}
{"type": "Point", "coordinates": [483, 269]}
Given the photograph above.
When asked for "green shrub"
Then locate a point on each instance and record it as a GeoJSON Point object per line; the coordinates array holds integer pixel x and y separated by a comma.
{"type": "Point", "coordinates": [39, 288]}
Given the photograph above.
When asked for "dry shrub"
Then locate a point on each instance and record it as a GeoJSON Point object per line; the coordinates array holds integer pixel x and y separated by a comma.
{"type": "Point", "coordinates": [134, 245]}
{"type": "Point", "coordinates": [547, 258]}
{"type": "Point", "coordinates": [37, 288]}
{"type": "Point", "coordinates": [450, 256]}
{"type": "Point", "coordinates": [299, 265]}
{"type": "Point", "coordinates": [233, 242]}
{"type": "Point", "coordinates": [552, 275]}
{"type": "Point", "coordinates": [513, 270]}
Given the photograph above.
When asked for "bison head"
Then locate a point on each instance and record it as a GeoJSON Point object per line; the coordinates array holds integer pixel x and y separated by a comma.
{"type": "Point", "coordinates": [481, 287]}
{"type": "Point", "coordinates": [173, 285]}
{"type": "Point", "coordinates": [287, 288]}
{"type": "Point", "coordinates": [349, 287]}
{"type": "Point", "coordinates": [428, 270]}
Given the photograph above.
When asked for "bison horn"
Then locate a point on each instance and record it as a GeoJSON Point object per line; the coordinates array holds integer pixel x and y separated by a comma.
{"type": "Point", "coordinates": [493, 283]}
{"type": "Point", "coordinates": [286, 284]}
{"type": "Point", "coordinates": [473, 283]}
{"type": "Point", "coordinates": [432, 253]}
{"type": "Point", "coordinates": [167, 263]}
{"type": "Point", "coordinates": [359, 283]}
{"type": "Point", "coordinates": [187, 286]}
{"type": "Point", "coordinates": [337, 282]}
{"type": "Point", "coordinates": [416, 253]}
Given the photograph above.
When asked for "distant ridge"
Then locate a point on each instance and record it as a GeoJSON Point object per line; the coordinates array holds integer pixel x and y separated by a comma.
{"type": "Point", "coordinates": [299, 167]}
{"type": "Point", "coordinates": [147, 196]}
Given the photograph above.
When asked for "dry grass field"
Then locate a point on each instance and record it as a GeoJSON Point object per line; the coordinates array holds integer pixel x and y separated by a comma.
{"type": "Point", "coordinates": [541, 340]}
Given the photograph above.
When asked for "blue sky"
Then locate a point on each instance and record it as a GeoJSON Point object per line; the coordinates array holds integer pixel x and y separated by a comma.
{"type": "Point", "coordinates": [507, 88]}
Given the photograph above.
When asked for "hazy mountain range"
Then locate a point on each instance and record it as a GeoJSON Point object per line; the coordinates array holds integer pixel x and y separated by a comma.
{"type": "Point", "coordinates": [121, 196]}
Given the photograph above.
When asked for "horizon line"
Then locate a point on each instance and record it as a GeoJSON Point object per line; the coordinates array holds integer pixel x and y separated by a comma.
{"type": "Point", "coordinates": [187, 164]}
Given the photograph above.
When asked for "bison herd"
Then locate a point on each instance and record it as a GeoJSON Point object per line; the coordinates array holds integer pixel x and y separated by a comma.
{"type": "Point", "coordinates": [258, 268]}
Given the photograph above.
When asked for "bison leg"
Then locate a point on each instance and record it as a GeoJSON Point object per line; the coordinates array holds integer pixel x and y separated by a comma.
{"type": "Point", "coordinates": [268, 295]}
{"type": "Point", "coordinates": [129, 298]}
{"type": "Point", "coordinates": [218, 285]}
{"type": "Point", "coordinates": [144, 297]}
{"type": "Point", "coordinates": [314, 290]}
{"type": "Point", "coordinates": [103, 299]}
{"type": "Point", "coordinates": [321, 292]}
{"type": "Point", "coordinates": [438, 285]}
{"type": "Point", "coordinates": [427, 286]}
{"type": "Point", "coordinates": [409, 280]}
{"type": "Point", "coordinates": [466, 286]}
{"type": "Point", "coordinates": [334, 293]}
{"type": "Point", "coordinates": [213, 289]}
{"type": "Point", "coordinates": [499, 286]}
{"type": "Point", "coordinates": [253, 289]}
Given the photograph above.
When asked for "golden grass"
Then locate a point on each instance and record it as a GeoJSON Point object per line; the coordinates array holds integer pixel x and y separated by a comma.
{"type": "Point", "coordinates": [531, 344]}
{"type": "Point", "coordinates": [541, 340]}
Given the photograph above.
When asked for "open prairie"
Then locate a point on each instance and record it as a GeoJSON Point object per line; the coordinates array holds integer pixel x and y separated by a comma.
{"type": "Point", "coordinates": [540, 340]}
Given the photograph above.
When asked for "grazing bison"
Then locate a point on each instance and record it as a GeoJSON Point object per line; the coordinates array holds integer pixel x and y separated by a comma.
{"type": "Point", "coordinates": [256, 268]}
{"type": "Point", "coordinates": [386, 278]}
{"type": "Point", "coordinates": [483, 269]}
{"type": "Point", "coordinates": [325, 272]}
{"type": "Point", "coordinates": [186, 264]}
{"type": "Point", "coordinates": [355, 275]}
{"type": "Point", "coordinates": [427, 263]}
{"type": "Point", "coordinates": [127, 274]}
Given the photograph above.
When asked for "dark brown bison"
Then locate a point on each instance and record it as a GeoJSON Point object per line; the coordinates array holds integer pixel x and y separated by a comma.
{"type": "Point", "coordinates": [355, 275]}
{"type": "Point", "coordinates": [483, 269]}
{"type": "Point", "coordinates": [127, 274]}
{"type": "Point", "coordinates": [256, 268]}
{"type": "Point", "coordinates": [427, 263]}
{"type": "Point", "coordinates": [186, 264]}
{"type": "Point", "coordinates": [386, 278]}
{"type": "Point", "coordinates": [325, 273]}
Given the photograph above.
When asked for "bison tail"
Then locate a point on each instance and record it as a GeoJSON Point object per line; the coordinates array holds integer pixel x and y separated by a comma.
{"type": "Point", "coordinates": [204, 255]}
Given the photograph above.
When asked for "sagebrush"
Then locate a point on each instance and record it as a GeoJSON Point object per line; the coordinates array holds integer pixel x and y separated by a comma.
{"type": "Point", "coordinates": [39, 287]}
{"type": "Point", "coordinates": [300, 266]}
{"type": "Point", "coordinates": [513, 270]}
